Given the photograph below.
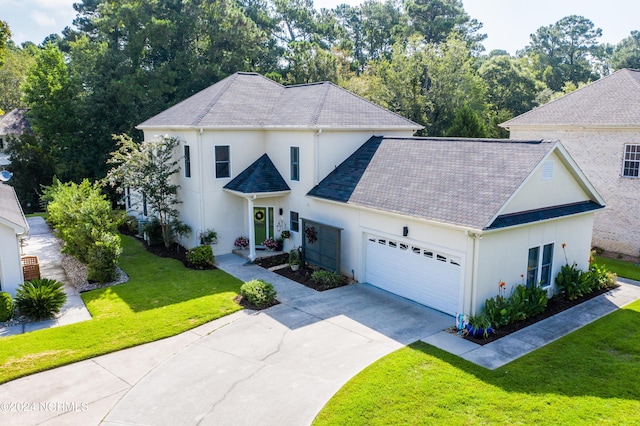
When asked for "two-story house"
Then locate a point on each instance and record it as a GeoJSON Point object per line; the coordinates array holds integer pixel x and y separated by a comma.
{"type": "Point", "coordinates": [437, 220]}
{"type": "Point", "coordinates": [599, 124]}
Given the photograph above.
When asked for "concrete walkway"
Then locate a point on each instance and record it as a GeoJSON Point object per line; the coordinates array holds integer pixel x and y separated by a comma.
{"type": "Point", "coordinates": [43, 244]}
{"type": "Point", "coordinates": [274, 367]}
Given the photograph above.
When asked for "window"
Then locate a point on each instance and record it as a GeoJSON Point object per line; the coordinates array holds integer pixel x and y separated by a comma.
{"type": "Point", "coordinates": [187, 161]}
{"type": "Point", "coordinates": [539, 265]}
{"type": "Point", "coordinates": [295, 163]}
{"type": "Point", "coordinates": [127, 198]}
{"type": "Point", "coordinates": [631, 163]}
{"type": "Point", "coordinates": [144, 205]}
{"type": "Point", "coordinates": [223, 163]}
{"type": "Point", "coordinates": [294, 221]}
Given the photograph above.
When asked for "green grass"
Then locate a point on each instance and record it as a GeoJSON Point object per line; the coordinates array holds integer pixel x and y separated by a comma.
{"type": "Point", "coordinates": [161, 299]}
{"type": "Point", "coordinates": [621, 267]}
{"type": "Point", "coordinates": [587, 377]}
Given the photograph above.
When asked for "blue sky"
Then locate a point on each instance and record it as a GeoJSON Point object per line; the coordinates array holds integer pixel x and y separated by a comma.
{"type": "Point", "coordinates": [508, 23]}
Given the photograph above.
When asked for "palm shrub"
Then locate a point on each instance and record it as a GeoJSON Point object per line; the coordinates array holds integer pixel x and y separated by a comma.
{"type": "Point", "coordinates": [6, 306]}
{"type": "Point", "coordinates": [41, 298]}
{"type": "Point", "coordinates": [258, 293]}
{"type": "Point", "coordinates": [201, 257]}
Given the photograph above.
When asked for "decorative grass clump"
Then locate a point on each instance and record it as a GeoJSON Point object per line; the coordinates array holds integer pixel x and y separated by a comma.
{"type": "Point", "coordinates": [41, 298]}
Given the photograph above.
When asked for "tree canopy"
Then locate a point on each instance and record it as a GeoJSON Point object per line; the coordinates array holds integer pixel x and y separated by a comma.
{"type": "Point", "coordinates": [127, 60]}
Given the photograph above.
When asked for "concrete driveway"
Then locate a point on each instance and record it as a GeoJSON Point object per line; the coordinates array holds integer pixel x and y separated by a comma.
{"type": "Point", "coordinates": [274, 367]}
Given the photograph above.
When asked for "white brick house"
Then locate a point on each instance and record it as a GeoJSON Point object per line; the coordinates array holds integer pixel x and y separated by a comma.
{"type": "Point", "coordinates": [599, 125]}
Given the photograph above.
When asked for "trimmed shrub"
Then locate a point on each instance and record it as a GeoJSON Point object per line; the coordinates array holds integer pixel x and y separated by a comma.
{"type": "Point", "coordinates": [259, 293]}
{"type": "Point", "coordinates": [40, 299]}
{"type": "Point", "coordinates": [103, 257]}
{"type": "Point", "coordinates": [326, 278]}
{"type": "Point", "coordinates": [201, 257]}
{"type": "Point", "coordinates": [6, 306]}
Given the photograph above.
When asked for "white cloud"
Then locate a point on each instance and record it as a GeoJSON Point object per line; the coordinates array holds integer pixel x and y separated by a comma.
{"type": "Point", "coordinates": [42, 19]}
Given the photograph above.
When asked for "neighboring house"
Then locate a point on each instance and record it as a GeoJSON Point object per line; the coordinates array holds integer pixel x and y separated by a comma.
{"type": "Point", "coordinates": [599, 124]}
{"type": "Point", "coordinates": [438, 221]}
{"type": "Point", "coordinates": [13, 226]}
{"type": "Point", "coordinates": [12, 124]}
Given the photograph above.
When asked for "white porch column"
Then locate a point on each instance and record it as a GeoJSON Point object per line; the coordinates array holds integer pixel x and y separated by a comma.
{"type": "Point", "coordinates": [252, 230]}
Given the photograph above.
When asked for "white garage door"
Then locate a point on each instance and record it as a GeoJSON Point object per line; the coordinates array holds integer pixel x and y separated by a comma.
{"type": "Point", "coordinates": [417, 273]}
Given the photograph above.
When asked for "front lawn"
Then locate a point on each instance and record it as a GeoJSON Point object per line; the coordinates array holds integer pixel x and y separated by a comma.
{"type": "Point", "coordinates": [621, 267]}
{"type": "Point", "coordinates": [587, 377]}
{"type": "Point", "coordinates": [161, 299]}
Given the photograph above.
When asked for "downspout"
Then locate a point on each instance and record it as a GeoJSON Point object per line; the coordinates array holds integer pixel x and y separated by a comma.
{"type": "Point", "coordinates": [474, 271]}
{"type": "Point", "coordinates": [252, 230]}
{"type": "Point", "coordinates": [200, 179]}
{"type": "Point", "coordinates": [317, 159]}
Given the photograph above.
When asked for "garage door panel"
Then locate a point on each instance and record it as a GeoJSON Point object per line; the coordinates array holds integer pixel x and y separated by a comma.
{"type": "Point", "coordinates": [417, 273]}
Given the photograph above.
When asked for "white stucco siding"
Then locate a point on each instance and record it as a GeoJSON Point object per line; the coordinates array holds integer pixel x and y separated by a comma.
{"type": "Point", "coordinates": [357, 224]}
{"type": "Point", "coordinates": [278, 145]}
{"type": "Point", "coordinates": [541, 191]}
{"type": "Point", "coordinates": [336, 146]}
{"type": "Point", "coordinates": [10, 265]}
{"type": "Point", "coordinates": [503, 254]}
{"type": "Point", "coordinates": [599, 153]}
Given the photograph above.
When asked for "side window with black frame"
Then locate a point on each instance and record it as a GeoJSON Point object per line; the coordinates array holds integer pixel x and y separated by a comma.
{"type": "Point", "coordinates": [295, 163]}
{"type": "Point", "coordinates": [294, 221]}
{"type": "Point", "coordinates": [187, 161]}
{"type": "Point", "coordinates": [223, 161]}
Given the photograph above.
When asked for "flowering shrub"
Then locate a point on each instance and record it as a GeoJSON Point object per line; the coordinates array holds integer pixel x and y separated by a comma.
{"type": "Point", "coordinates": [242, 242]}
{"type": "Point", "coordinates": [270, 243]}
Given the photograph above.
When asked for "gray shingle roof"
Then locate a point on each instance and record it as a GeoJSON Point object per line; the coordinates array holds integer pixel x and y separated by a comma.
{"type": "Point", "coordinates": [14, 122]}
{"type": "Point", "coordinates": [10, 210]}
{"type": "Point", "coordinates": [260, 177]}
{"type": "Point", "coordinates": [251, 100]}
{"type": "Point", "coordinates": [460, 181]}
{"type": "Point", "coordinates": [611, 101]}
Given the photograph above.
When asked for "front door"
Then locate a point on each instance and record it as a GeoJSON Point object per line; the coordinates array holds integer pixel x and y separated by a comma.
{"type": "Point", "coordinates": [263, 224]}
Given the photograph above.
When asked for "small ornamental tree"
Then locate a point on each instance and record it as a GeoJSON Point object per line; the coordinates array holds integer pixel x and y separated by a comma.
{"type": "Point", "coordinates": [147, 168]}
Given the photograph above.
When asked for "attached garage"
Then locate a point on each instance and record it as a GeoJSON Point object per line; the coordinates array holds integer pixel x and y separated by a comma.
{"type": "Point", "coordinates": [421, 274]}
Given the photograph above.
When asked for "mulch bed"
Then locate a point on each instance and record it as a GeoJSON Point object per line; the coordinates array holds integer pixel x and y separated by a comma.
{"type": "Point", "coordinates": [301, 276]}
{"type": "Point", "coordinates": [555, 305]}
{"type": "Point", "coordinates": [175, 251]}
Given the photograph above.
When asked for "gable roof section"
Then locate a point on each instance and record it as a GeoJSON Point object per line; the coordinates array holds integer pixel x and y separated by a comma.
{"type": "Point", "coordinates": [250, 100]}
{"type": "Point", "coordinates": [465, 182]}
{"type": "Point", "coordinates": [260, 177]}
{"type": "Point", "coordinates": [342, 181]}
{"type": "Point", "coordinates": [14, 122]}
{"type": "Point", "coordinates": [10, 211]}
{"type": "Point", "coordinates": [612, 101]}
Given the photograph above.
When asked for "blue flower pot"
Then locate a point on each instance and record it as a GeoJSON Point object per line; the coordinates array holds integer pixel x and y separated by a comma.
{"type": "Point", "coordinates": [478, 333]}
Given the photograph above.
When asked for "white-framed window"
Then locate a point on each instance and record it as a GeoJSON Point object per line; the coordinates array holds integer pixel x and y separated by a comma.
{"type": "Point", "coordinates": [540, 265]}
{"type": "Point", "coordinates": [187, 161]}
{"type": "Point", "coordinates": [295, 163]}
{"type": "Point", "coordinates": [223, 161]}
{"type": "Point", "coordinates": [294, 221]}
{"type": "Point", "coordinates": [631, 161]}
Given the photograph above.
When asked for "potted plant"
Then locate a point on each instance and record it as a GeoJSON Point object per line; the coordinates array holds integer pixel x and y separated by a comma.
{"type": "Point", "coordinates": [479, 326]}
{"type": "Point", "coordinates": [241, 242]}
{"type": "Point", "coordinates": [295, 258]}
{"type": "Point", "coordinates": [285, 234]}
{"type": "Point", "coordinates": [270, 244]}
{"type": "Point", "coordinates": [279, 244]}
